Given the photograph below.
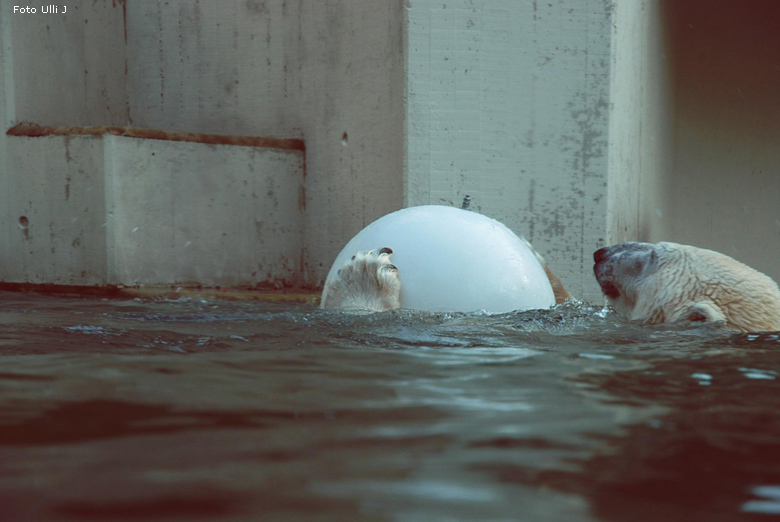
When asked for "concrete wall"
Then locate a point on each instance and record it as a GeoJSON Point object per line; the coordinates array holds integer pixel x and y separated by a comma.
{"type": "Point", "coordinates": [352, 92]}
{"type": "Point", "coordinates": [64, 69]}
{"type": "Point", "coordinates": [60, 70]}
{"type": "Point", "coordinates": [53, 211]}
{"type": "Point", "coordinates": [330, 71]}
{"type": "Point", "coordinates": [726, 68]}
{"type": "Point", "coordinates": [577, 123]}
{"type": "Point", "coordinates": [92, 210]}
{"type": "Point", "coordinates": [509, 103]}
{"type": "Point", "coordinates": [327, 71]}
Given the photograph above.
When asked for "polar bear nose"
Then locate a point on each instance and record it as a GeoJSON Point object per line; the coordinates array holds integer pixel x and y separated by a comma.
{"type": "Point", "coordinates": [601, 254]}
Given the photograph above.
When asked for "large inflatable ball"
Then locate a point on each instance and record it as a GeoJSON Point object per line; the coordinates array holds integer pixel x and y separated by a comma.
{"type": "Point", "coordinates": [454, 260]}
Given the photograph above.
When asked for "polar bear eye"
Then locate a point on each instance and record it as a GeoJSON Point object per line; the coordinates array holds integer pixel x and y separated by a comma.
{"type": "Point", "coordinates": [632, 266]}
{"type": "Point", "coordinates": [643, 259]}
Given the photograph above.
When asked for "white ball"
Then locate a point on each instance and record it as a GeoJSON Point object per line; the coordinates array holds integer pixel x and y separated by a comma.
{"type": "Point", "coordinates": [454, 260]}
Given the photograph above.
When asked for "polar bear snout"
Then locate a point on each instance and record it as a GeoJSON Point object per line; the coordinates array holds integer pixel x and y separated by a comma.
{"type": "Point", "coordinates": [601, 254]}
{"type": "Point", "coordinates": [604, 273]}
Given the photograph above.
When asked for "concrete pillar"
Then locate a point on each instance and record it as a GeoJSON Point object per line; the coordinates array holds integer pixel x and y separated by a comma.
{"type": "Point", "coordinates": [641, 136]}
{"type": "Point", "coordinates": [509, 103]}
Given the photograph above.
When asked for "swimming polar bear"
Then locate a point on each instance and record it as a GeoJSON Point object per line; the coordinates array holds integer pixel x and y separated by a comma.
{"type": "Point", "coordinates": [448, 259]}
{"type": "Point", "coordinates": [667, 282]}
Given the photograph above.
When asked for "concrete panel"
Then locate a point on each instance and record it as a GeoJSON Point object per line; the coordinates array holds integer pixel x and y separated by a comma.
{"type": "Point", "coordinates": [66, 68]}
{"type": "Point", "coordinates": [509, 103]}
{"type": "Point", "coordinates": [54, 213]}
{"type": "Point", "coordinates": [182, 212]}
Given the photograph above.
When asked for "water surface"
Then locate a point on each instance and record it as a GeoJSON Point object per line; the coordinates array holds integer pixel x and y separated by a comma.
{"type": "Point", "coordinates": [214, 410]}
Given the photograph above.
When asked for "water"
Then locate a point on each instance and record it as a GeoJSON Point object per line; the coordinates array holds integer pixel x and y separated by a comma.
{"type": "Point", "coordinates": [212, 410]}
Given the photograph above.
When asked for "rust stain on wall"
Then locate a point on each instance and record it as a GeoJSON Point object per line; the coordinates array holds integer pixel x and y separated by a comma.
{"type": "Point", "coordinates": [33, 130]}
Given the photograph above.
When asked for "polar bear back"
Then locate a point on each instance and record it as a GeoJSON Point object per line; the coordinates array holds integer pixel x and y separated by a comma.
{"type": "Point", "coordinates": [747, 299]}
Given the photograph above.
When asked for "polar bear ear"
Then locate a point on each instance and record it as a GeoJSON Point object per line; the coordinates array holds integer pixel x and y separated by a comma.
{"type": "Point", "coordinates": [704, 312]}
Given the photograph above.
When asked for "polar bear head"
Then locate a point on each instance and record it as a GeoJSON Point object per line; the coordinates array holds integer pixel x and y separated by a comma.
{"type": "Point", "coordinates": [667, 282]}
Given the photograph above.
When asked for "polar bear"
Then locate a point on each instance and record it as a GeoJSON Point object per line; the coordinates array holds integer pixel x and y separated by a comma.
{"type": "Point", "coordinates": [667, 282]}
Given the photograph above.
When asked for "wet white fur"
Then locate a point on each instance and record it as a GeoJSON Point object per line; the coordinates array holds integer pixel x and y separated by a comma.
{"type": "Point", "coordinates": [686, 283]}
{"type": "Point", "coordinates": [368, 281]}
